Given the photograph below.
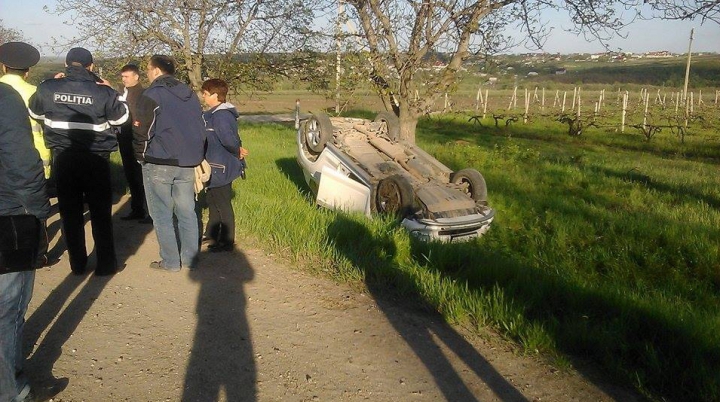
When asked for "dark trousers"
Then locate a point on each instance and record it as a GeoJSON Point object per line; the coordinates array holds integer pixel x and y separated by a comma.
{"type": "Point", "coordinates": [85, 177]}
{"type": "Point", "coordinates": [133, 173]}
{"type": "Point", "coordinates": [221, 222]}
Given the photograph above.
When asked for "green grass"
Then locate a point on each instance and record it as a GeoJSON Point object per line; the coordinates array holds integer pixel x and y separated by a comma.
{"type": "Point", "coordinates": [604, 246]}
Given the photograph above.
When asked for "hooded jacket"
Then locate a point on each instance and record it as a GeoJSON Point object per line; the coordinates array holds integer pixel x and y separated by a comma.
{"type": "Point", "coordinates": [169, 128]}
{"type": "Point", "coordinates": [22, 183]}
{"type": "Point", "coordinates": [78, 113]}
{"type": "Point", "coordinates": [223, 144]}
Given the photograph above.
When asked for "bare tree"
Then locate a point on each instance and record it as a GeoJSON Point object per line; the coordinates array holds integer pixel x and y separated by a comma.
{"type": "Point", "coordinates": [9, 34]}
{"type": "Point", "coordinates": [397, 35]}
{"type": "Point", "coordinates": [207, 37]}
{"type": "Point", "coordinates": [705, 10]}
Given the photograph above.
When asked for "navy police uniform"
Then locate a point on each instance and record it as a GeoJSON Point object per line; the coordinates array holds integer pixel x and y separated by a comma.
{"type": "Point", "coordinates": [79, 115]}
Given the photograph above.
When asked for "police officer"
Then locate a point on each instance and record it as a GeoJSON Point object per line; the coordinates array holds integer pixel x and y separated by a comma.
{"type": "Point", "coordinates": [16, 59]}
{"type": "Point", "coordinates": [78, 111]}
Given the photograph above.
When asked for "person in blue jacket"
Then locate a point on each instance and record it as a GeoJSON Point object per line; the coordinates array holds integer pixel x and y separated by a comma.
{"type": "Point", "coordinates": [169, 139]}
{"type": "Point", "coordinates": [223, 155]}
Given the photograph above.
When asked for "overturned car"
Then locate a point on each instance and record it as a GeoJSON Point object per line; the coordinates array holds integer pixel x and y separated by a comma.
{"type": "Point", "coordinates": [359, 165]}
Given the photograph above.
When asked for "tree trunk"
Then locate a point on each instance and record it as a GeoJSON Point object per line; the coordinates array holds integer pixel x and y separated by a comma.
{"type": "Point", "coordinates": [408, 124]}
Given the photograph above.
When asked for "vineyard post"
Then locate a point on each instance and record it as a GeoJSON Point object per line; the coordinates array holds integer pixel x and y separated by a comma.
{"type": "Point", "coordinates": [647, 101]}
{"type": "Point", "coordinates": [478, 96]}
{"type": "Point", "coordinates": [527, 106]}
{"type": "Point", "coordinates": [700, 101]}
{"type": "Point", "coordinates": [563, 105]}
{"type": "Point", "coordinates": [574, 97]}
{"type": "Point", "coordinates": [624, 111]}
{"type": "Point", "coordinates": [692, 103]}
{"type": "Point", "coordinates": [677, 103]}
{"type": "Point", "coordinates": [557, 98]}
{"type": "Point", "coordinates": [542, 103]}
{"type": "Point", "coordinates": [485, 103]}
{"type": "Point", "coordinates": [445, 106]}
{"type": "Point", "coordinates": [515, 98]}
{"type": "Point", "coordinates": [579, 104]}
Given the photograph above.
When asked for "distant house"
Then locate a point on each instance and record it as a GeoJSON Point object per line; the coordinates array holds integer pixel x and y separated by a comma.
{"type": "Point", "coordinates": [532, 74]}
{"type": "Point", "coordinates": [560, 71]}
{"type": "Point", "coordinates": [661, 53]}
{"type": "Point", "coordinates": [492, 80]}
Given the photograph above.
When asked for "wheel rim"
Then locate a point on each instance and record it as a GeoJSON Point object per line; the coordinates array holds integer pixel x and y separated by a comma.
{"type": "Point", "coordinates": [312, 133]}
{"type": "Point", "coordinates": [389, 198]}
{"type": "Point", "coordinates": [467, 187]}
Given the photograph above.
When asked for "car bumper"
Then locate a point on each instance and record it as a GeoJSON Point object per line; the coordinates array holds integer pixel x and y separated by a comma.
{"type": "Point", "coordinates": [450, 229]}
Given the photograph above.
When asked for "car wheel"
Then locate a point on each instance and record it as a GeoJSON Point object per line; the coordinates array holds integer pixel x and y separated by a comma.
{"type": "Point", "coordinates": [392, 122]}
{"type": "Point", "coordinates": [394, 195]}
{"type": "Point", "coordinates": [318, 131]}
{"type": "Point", "coordinates": [473, 183]}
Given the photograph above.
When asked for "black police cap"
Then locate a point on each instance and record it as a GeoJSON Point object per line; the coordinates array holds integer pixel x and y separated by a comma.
{"type": "Point", "coordinates": [18, 55]}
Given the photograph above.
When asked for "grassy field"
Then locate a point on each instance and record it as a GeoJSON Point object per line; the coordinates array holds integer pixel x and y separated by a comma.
{"type": "Point", "coordinates": [604, 247]}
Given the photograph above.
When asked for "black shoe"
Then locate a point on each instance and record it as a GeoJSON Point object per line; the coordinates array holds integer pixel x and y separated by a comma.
{"type": "Point", "coordinates": [133, 216]}
{"type": "Point", "coordinates": [221, 247]}
{"type": "Point", "coordinates": [78, 268]}
{"type": "Point", "coordinates": [105, 271]}
{"type": "Point", "coordinates": [45, 261]}
{"type": "Point", "coordinates": [242, 174]}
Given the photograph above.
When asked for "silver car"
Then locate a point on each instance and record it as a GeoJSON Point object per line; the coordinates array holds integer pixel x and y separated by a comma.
{"type": "Point", "coordinates": [359, 165]}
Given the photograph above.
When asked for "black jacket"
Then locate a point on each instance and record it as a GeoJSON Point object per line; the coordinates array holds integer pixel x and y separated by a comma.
{"type": "Point", "coordinates": [131, 96]}
{"type": "Point", "coordinates": [169, 128]}
{"type": "Point", "coordinates": [22, 181]}
{"type": "Point", "coordinates": [78, 113]}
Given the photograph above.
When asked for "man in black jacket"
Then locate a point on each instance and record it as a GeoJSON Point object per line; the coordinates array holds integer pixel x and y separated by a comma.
{"type": "Point", "coordinates": [22, 191]}
{"type": "Point", "coordinates": [130, 75]}
{"type": "Point", "coordinates": [78, 111]}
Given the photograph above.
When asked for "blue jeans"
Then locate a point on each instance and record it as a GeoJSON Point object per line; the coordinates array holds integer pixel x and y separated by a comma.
{"type": "Point", "coordinates": [170, 190]}
{"type": "Point", "coordinates": [16, 290]}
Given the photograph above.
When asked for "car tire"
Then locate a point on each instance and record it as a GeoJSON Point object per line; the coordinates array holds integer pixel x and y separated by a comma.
{"type": "Point", "coordinates": [394, 195]}
{"type": "Point", "coordinates": [317, 132]}
{"type": "Point", "coordinates": [392, 122]}
{"type": "Point", "coordinates": [476, 187]}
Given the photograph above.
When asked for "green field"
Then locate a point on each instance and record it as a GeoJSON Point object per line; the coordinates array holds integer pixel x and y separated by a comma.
{"type": "Point", "coordinates": [604, 247]}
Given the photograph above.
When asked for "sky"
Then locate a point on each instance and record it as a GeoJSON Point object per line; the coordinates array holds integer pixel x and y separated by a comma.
{"type": "Point", "coordinates": [39, 27]}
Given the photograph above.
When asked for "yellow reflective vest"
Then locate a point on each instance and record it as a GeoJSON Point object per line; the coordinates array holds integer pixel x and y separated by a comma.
{"type": "Point", "coordinates": [26, 91]}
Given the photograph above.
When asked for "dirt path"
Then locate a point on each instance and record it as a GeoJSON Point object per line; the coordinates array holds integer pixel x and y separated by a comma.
{"type": "Point", "coordinates": [247, 327]}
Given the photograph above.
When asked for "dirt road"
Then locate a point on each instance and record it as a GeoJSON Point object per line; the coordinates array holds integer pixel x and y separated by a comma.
{"type": "Point", "coordinates": [248, 327]}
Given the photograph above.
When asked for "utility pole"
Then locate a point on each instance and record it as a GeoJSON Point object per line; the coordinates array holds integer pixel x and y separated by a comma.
{"type": "Point", "coordinates": [687, 68]}
{"type": "Point", "coordinates": [338, 42]}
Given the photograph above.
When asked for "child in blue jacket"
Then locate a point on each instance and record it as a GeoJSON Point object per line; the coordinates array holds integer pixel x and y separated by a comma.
{"type": "Point", "coordinates": [223, 155]}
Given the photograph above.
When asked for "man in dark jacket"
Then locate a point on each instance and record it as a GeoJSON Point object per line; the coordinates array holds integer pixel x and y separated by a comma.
{"type": "Point", "coordinates": [170, 140]}
{"type": "Point", "coordinates": [22, 191]}
{"type": "Point", "coordinates": [130, 75]}
{"type": "Point", "coordinates": [78, 111]}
